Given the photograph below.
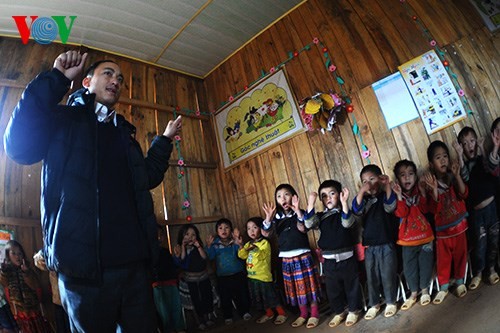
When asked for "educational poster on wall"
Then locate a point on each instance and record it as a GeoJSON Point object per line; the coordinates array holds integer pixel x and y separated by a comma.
{"type": "Point", "coordinates": [395, 100]}
{"type": "Point", "coordinates": [489, 11]}
{"type": "Point", "coordinates": [435, 96]}
{"type": "Point", "coordinates": [5, 236]}
{"type": "Point", "coordinates": [258, 119]}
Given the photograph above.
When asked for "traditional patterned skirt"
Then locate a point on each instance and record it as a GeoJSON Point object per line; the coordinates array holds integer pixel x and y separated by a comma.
{"type": "Point", "coordinates": [263, 294]}
{"type": "Point", "coordinates": [32, 322]}
{"type": "Point", "coordinates": [301, 280]}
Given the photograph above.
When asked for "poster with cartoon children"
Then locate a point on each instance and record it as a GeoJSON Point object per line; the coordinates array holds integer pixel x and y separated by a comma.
{"type": "Point", "coordinates": [437, 100]}
{"type": "Point", "coordinates": [265, 115]}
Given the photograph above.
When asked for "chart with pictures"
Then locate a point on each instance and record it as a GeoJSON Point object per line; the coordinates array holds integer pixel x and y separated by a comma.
{"type": "Point", "coordinates": [435, 96]}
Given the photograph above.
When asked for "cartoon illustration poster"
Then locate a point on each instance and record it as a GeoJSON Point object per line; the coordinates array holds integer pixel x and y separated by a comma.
{"type": "Point", "coordinates": [435, 96]}
{"type": "Point", "coordinates": [263, 116]}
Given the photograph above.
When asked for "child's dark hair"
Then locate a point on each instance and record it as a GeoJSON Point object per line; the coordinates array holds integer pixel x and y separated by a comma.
{"type": "Point", "coordinates": [257, 220]}
{"type": "Point", "coordinates": [465, 131]}
{"type": "Point", "coordinates": [280, 187]}
{"type": "Point", "coordinates": [494, 124]}
{"type": "Point", "coordinates": [330, 183]}
{"type": "Point", "coordinates": [91, 69]}
{"type": "Point", "coordinates": [404, 163]}
{"type": "Point", "coordinates": [435, 145]}
{"type": "Point", "coordinates": [223, 221]}
{"type": "Point", "coordinates": [8, 247]}
{"type": "Point", "coordinates": [184, 229]}
{"type": "Point", "coordinates": [373, 168]}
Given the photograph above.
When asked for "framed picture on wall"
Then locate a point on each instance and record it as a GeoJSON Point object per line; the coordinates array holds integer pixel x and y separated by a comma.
{"type": "Point", "coordinates": [432, 89]}
{"type": "Point", "coordinates": [489, 11]}
{"type": "Point", "coordinates": [263, 116]}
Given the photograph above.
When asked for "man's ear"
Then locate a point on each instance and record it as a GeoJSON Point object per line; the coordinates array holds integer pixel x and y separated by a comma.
{"type": "Point", "coordinates": [86, 82]}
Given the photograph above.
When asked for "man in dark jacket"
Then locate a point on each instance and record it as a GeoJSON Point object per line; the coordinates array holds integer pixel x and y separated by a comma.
{"type": "Point", "coordinates": [98, 222]}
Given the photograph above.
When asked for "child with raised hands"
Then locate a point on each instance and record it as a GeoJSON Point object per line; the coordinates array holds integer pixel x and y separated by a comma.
{"type": "Point", "coordinates": [230, 270]}
{"type": "Point", "coordinates": [337, 241]}
{"type": "Point", "coordinates": [374, 204]}
{"type": "Point", "coordinates": [479, 176]}
{"type": "Point", "coordinates": [285, 218]}
{"type": "Point", "coordinates": [447, 202]}
{"type": "Point", "coordinates": [415, 233]}
{"type": "Point", "coordinates": [257, 253]}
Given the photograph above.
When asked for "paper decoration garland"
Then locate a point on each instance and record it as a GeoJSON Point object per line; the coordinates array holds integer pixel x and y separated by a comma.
{"type": "Point", "coordinates": [441, 54]}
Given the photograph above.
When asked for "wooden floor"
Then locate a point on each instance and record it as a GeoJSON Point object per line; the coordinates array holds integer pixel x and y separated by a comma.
{"type": "Point", "coordinates": [477, 312]}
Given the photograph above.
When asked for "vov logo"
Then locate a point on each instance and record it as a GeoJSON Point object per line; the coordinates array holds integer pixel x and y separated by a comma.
{"type": "Point", "coordinates": [44, 29]}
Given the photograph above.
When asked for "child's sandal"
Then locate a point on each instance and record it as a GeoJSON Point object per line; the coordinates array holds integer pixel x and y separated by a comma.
{"type": "Point", "coordinates": [440, 297]}
{"type": "Point", "coordinates": [425, 299]}
{"type": "Point", "coordinates": [352, 318]}
{"type": "Point", "coordinates": [280, 319]}
{"type": "Point", "coordinates": [494, 278]}
{"type": "Point", "coordinates": [337, 319]}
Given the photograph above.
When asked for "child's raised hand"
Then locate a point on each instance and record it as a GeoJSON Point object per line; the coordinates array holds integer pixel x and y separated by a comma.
{"type": "Point", "coordinates": [295, 203]}
{"type": "Point", "coordinates": [455, 169]}
{"type": "Point", "coordinates": [344, 196]}
{"type": "Point", "coordinates": [269, 209]}
{"type": "Point", "coordinates": [24, 267]}
{"type": "Point", "coordinates": [365, 188]}
{"type": "Point", "coordinates": [209, 240]}
{"type": "Point", "coordinates": [458, 148]}
{"type": "Point", "coordinates": [397, 189]}
{"type": "Point", "coordinates": [264, 233]}
{"type": "Point", "coordinates": [301, 227]}
{"type": "Point", "coordinates": [430, 180]}
{"type": "Point", "coordinates": [421, 186]}
{"type": "Point", "coordinates": [237, 236]}
{"type": "Point", "coordinates": [480, 145]}
{"type": "Point", "coordinates": [177, 250]}
{"type": "Point", "coordinates": [311, 200]}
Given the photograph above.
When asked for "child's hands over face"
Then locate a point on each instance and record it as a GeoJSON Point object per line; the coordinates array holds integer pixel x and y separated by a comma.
{"type": "Point", "coordinates": [196, 244]}
{"type": "Point", "coordinates": [344, 197]}
{"type": "Point", "coordinates": [458, 148]}
{"type": "Point", "coordinates": [365, 188]}
{"type": "Point", "coordinates": [385, 181]}
{"type": "Point", "coordinates": [270, 210]}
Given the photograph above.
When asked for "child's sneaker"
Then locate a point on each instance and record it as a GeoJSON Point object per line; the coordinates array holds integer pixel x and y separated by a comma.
{"type": "Point", "coordinates": [247, 316]}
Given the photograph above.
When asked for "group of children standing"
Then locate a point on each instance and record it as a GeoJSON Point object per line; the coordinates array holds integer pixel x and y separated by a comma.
{"type": "Point", "coordinates": [427, 216]}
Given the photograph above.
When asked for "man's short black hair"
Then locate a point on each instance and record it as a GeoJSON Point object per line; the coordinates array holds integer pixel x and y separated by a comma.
{"type": "Point", "coordinates": [91, 69]}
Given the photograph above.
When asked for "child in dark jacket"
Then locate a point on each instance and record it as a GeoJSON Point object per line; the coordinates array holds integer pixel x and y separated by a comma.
{"type": "Point", "coordinates": [231, 272]}
{"type": "Point", "coordinates": [477, 172]}
{"type": "Point", "coordinates": [415, 233]}
{"type": "Point", "coordinates": [165, 289]}
{"type": "Point", "coordinates": [375, 203]}
{"type": "Point", "coordinates": [337, 241]}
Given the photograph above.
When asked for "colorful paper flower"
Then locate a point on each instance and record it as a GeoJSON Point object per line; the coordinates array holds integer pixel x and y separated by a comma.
{"type": "Point", "coordinates": [197, 113]}
{"type": "Point", "coordinates": [272, 70]}
{"type": "Point", "coordinates": [433, 42]}
{"type": "Point", "coordinates": [461, 93]}
{"type": "Point", "coordinates": [231, 98]}
{"type": "Point", "coordinates": [180, 162]}
{"type": "Point", "coordinates": [332, 68]}
{"type": "Point", "coordinates": [365, 154]}
{"type": "Point", "coordinates": [186, 203]}
{"type": "Point", "coordinates": [315, 40]}
{"type": "Point", "coordinates": [177, 138]}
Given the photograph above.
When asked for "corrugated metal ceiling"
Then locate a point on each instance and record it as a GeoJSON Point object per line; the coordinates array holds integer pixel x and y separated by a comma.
{"type": "Point", "coordinates": [189, 36]}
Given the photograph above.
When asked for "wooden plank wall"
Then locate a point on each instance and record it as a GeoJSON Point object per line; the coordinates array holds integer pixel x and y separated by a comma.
{"type": "Point", "coordinates": [367, 40]}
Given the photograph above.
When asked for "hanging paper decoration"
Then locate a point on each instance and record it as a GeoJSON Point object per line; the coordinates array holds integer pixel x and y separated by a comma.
{"type": "Point", "coordinates": [319, 111]}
